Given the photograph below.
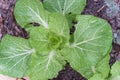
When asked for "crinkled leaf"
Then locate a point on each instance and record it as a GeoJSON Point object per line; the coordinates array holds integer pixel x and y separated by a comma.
{"type": "Point", "coordinates": [39, 39]}
{"type": "Point", "coordinates": [92, 41]}
{"type": "Point", "coordinates": [30, 11]}
{"type": "Point", "coordinates": [15, 54]}
{"type": "Point", "coordinates": [115, 71]}
{"type": "Point", "coordinates": [47, 61]}
{"type": "Point", "coordinates": [59, 24]}
{"type": "Point", "coordinates": [55, 37]}
{"type": "Point", "coordinates": [45, 67]}
{"type": "Point", "coordinates": [65, 6]}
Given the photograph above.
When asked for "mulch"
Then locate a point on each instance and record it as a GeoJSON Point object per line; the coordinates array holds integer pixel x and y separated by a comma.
{"type": "Point", "coordinates": [8, 25]}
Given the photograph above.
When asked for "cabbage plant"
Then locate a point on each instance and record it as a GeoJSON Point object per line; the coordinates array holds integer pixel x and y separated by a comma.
{"type": "Point", "coordinates": [50, 45]}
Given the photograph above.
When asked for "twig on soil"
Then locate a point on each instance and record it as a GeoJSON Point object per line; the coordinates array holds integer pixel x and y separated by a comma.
{"type": "Point", "coordinates": [101, 8]}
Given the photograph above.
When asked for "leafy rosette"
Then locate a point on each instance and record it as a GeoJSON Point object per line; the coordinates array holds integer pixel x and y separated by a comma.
{"type": "Point", "coordinates": [49, 46]}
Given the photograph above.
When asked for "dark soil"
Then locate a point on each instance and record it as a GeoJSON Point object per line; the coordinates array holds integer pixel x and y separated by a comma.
{"type": "Point", "coordinates": [8, 25]}
{"type": "Point", "coordinates": [69, 74]}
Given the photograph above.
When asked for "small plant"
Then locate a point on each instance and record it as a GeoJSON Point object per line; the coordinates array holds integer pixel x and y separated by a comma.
{"type": "Point", "coordinates": [50, 44]}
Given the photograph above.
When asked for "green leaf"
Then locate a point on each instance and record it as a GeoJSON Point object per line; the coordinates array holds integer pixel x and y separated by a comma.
{"type": "Point", "coordinates": [47, 62]}
{"type": "Point", "coordinates": [57, 36]}
{"type": "Point", "coordinates": [71, 19]}
{"type": "Point", "coordinates": [30, 11]}
{"type": "Point", "coordinates": [115, 71]}
{"type": "Point", "coordinates": [92, 41]}
{"type": "Point", "coordinates": [45, 67]}
{"type": "Point", "coordinates": [15, 56]}
{"type": "Point", "coordinates": [29, 27]}
{"type": "Point", "coordinates": [103, 67]}
{"type": "Point", "coordinates": [97, 77]}
{"type": "Point", "coordinates": [39, 39]}
{"type": "Point", "coordinates": [59, 24]}
{"type": "Point", "coordinates": [65, 6]}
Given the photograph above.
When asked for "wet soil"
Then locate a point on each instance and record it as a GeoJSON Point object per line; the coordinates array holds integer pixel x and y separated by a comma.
{"type": "Point", "coordinates": [8, 25]}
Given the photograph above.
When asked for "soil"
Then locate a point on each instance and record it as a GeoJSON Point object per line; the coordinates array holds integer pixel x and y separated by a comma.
{"type": "Point", "coordinates": [8, 25]}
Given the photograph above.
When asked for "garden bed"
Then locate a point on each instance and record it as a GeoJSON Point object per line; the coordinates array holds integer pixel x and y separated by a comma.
{"type": "Point", "coordinates": [98, 8]}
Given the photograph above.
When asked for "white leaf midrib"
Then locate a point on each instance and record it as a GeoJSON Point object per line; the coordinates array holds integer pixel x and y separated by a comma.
{"type": "Point", "coordinates": [85, 41]}
{"type": "Point", "coordinates": [18, 62]}
{"type": "Point", "coordinates": [27, 54]}
{"type": "Point", "coordinates": [59, 5]}
{"type": "Point", "coordinates": [51, 54]}
{"type": "Point", "coordinates": [43, 22]}
{"type": "Point", "coordinates": [83, 49]}
{"type": "Point", "coordinates": [70, 5]}
{"type": "Point", "coordinates": [23, 53]}
{"type": "Point", "coordinates": [67, 7]}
